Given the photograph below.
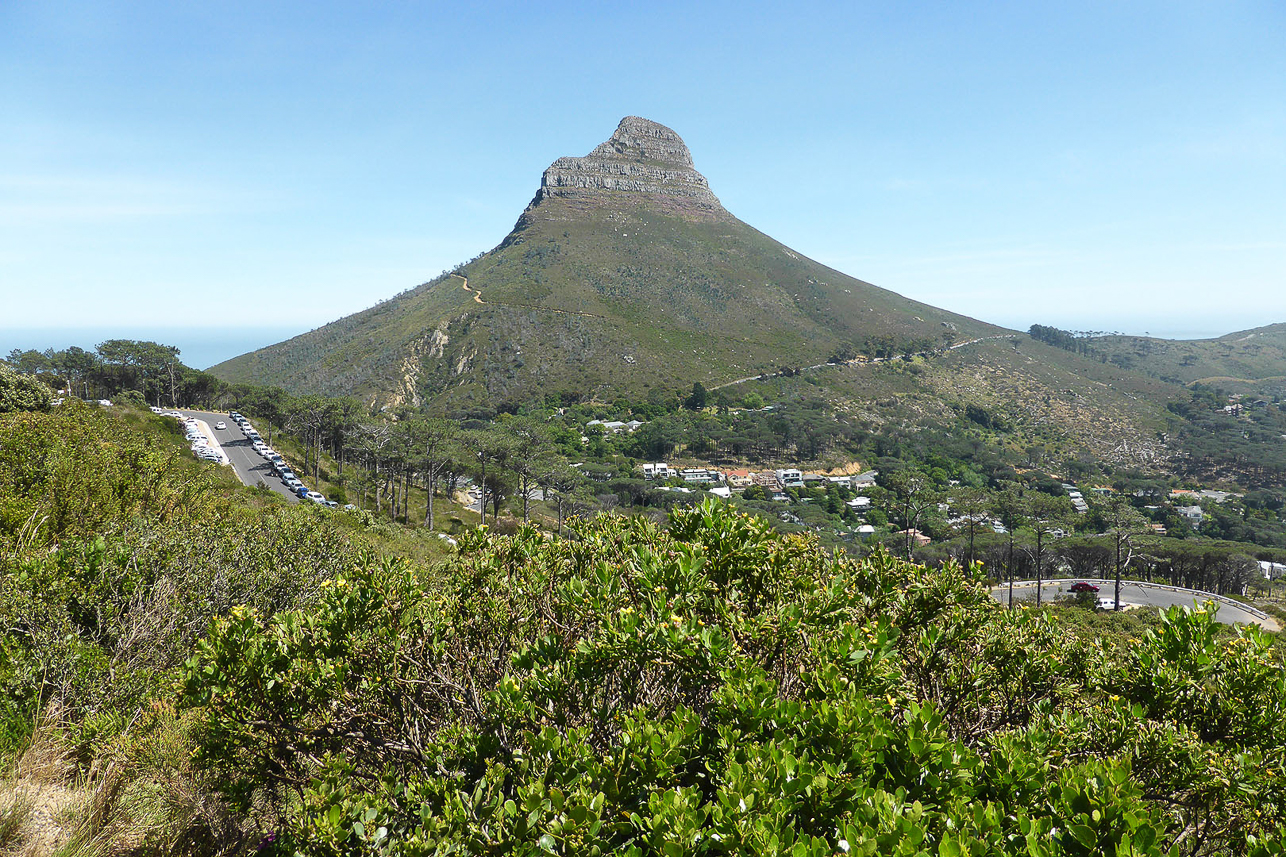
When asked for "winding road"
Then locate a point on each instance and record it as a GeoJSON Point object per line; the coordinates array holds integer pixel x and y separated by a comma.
{"type": "Point", "coordinates": [1137, 593]}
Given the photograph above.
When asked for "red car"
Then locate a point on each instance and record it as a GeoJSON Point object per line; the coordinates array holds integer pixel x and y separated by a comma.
{"type": "Point", "coordinates": [1082, 586]}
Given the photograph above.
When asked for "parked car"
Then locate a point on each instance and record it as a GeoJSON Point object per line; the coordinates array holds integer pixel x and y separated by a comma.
{"type": "Point", "coordinates": [1106, 604]}
{"type": "Point", "coordinates": [1082, 586]}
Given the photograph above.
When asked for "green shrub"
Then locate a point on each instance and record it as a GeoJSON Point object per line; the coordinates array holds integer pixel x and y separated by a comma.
{"type": "Point", "coordinates": [20, 392]}
{"type": "Point", "coordinates": [720, 688]}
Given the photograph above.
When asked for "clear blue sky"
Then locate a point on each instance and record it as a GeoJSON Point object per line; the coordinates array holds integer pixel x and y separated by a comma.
{"type": "Point", "coordinates": [1091, 165]}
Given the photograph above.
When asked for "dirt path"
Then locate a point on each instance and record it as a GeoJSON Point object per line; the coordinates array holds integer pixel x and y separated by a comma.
{"type": "Point", "coordinates": [863, 362]}
{"type": "Point", "coordinates": [477, 298]}
{"type": "Point", "coordinates": [477, 295]}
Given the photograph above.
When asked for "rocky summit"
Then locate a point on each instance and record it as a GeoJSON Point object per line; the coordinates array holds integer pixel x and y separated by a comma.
{"type": "Point", "coordinates": [644, 162]}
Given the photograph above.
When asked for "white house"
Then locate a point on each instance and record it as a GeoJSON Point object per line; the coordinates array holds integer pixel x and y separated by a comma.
{"type": "Point", "coordinates": [1272, 570]}
{"type": "Point", "coordinates": [790, 478]}
{"type": "Point", "coordinates": [656, 470]}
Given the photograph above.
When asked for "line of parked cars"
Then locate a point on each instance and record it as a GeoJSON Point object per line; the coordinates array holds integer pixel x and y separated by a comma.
{"type": "Point", "coordinates": [192, 431]}
{"type": "Point", "coordinates": [279, 465]}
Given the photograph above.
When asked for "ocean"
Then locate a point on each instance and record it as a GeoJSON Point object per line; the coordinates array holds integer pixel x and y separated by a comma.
{"type": "Point", "coordinates": [199, 347]}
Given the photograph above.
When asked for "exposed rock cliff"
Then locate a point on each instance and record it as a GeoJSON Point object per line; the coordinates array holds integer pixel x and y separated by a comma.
{"type": "Point", "coordinates": [642, 162]}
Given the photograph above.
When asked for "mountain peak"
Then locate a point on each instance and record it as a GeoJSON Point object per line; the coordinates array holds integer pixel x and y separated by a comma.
{"type": "Point", "coordinates": [642, 162]}
{"type": "Point", "coordinates": [639, 139]}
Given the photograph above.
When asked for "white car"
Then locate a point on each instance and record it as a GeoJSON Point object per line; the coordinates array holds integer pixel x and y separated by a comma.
{"type": "Point", "coordinates": [220, 425]}
{"type": "Point", "coordinates": [1106, 604]}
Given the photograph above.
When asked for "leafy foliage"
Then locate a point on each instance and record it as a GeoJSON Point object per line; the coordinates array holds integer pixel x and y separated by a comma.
{"type": "Point", "coordinates": [19, 392]}
{"type": "Point", "coordinates": [116, 550]}
{"type": "Point", "coordinates": [720, 688]}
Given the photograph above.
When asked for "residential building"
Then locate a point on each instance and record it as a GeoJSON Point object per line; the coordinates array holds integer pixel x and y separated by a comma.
{"type": "Point", "coordinates": [657, 470]}
{"type": "Point", "coordinates": [790, 478]}
{"type": "Point", "coordinates": [863, 480]}
{"type": "Point", "coordinates": [699, 476]}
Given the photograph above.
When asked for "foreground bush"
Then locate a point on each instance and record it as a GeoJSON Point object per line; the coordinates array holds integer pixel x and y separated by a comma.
{"type": "Point", "coordinates": [116, 550]}
{"type": "Point", "coordinates": [719, 688]}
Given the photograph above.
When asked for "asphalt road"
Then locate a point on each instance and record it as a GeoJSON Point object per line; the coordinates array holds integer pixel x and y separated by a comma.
{"type": "Point", "coordinates": [1132, 594]}
{"type": "Point", "coordinates": [250, 468]}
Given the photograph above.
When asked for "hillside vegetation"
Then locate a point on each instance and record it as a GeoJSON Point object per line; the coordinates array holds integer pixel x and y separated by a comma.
{"type": "Point", "coordinates": [1249, 361]}
{"type": "Point", "coordinates": [703, 686]}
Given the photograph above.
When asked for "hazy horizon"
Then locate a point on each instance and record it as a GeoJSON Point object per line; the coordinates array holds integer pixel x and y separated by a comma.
{"type": "Point", "coordinates": [199, 347]}
{"type": "Point", "coordinates": [208, 345]}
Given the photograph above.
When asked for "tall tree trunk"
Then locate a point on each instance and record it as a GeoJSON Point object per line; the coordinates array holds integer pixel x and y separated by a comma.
{"type": "Point", "coordinates": [1009, 567]}
{"type": "Point", "coordinates": [1039, 562]}
{"type": "Point", "coordinates": [429, 479]}
{"type": "Point", "coordinates": [1116, 595]}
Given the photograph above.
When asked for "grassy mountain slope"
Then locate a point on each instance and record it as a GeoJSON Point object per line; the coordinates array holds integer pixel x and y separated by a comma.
{"type": "Point", "coordinates": [1246, 361]}
{"type": "Point", "coordinates": [1044, 403]}
{"type": "Point", "coordinates": [605, 305]}
{"type": "Point", "coordinates": [605, 289]}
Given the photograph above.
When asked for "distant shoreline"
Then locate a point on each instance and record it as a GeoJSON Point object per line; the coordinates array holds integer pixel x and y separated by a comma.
{"type": "Point", "coordinates": [199, 347]}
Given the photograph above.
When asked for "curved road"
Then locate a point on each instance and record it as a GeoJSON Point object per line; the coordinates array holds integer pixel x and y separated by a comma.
{"type": "Point", "coordinates": [249, 466]}
{"type": "Point", "coordinates": [1132, 595]}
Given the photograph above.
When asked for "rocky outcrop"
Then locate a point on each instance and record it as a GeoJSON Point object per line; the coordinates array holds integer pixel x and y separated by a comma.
{"type": "Point", "coordinates": [643, 161]}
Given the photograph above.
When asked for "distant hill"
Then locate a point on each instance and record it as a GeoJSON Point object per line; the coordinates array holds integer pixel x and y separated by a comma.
{"type": "Point", "coordinates": [1250, 361]}
{"type": "Point", "coordinates": [624, 273]}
